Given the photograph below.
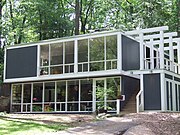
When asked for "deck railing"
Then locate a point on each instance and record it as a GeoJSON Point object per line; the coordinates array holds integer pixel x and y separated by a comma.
{"type": "Point", "coordinates": [154, 63]}
{"type": "Point", "coordinates": [139, 101]}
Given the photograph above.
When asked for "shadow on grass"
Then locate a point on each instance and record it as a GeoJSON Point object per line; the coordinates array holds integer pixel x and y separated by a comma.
{"type": "Point", "coordinates": [9, 126]}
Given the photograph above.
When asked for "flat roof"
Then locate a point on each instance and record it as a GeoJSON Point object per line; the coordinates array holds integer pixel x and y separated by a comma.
{"type": "Point", "coordinates": [69, 38]}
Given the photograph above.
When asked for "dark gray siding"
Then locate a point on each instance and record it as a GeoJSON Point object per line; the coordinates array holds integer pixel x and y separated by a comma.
{"type": "Point", "coordinates": [21, 62]}
{"type": "Point", "coordinates": [152, 92]}
{"type": "Point", "coordinates": [130, 54]}
{"type": "Point", "coordinates": [128, 87]}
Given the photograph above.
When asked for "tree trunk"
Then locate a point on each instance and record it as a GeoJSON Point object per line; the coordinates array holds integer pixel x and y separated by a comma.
{"type": "Point", "coordinates": [77, 13]}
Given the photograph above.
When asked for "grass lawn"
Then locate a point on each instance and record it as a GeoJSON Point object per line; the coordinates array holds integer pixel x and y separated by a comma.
{"type": "Point", "coordinates": [27, 127]}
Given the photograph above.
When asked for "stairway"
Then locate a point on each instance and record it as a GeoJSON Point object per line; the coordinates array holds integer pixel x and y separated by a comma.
{"type": "Point", "coordinates": [130, 106]}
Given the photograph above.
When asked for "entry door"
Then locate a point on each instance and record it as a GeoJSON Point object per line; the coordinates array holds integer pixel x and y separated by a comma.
{"type": "Point", "coordinates": [100, 94]}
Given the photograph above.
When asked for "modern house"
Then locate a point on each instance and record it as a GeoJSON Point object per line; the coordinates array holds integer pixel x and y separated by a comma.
{"type": "Point", "coordinates": [84, 73]}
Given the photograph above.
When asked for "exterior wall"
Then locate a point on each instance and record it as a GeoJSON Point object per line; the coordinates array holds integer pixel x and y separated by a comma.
{"type": "Point", "coordinates": [128, 87]}
{"type": "Point", "coordinates": [130, 54]}
{"type": "Point", "coordinates": [21, 62]}
{"type": "Point", "coordinates": [152, 92]}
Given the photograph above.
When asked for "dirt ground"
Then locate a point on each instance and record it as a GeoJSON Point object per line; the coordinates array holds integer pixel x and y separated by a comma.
{"type": "Point", "coordinates": [150, 123]}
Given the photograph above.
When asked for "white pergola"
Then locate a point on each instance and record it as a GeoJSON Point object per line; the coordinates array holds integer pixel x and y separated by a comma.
{"type": "Point", "coordinates": [157, 36]}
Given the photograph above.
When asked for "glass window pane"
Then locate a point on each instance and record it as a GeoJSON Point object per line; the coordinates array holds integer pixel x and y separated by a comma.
{"type": "Point", "coordinates": [27, 93]}
{"type": "Point", "coordinates": [16, 93]}
{"type": "Point", "coordinates": [61, 91]}
{"type": "Point", "coordinates": [44, 55]}
{"type": "Point", "coordinates": [69, 52]}
{"type": "Point", "coordinates": [37, 92]}
{"type": "Point", "coordinates": [96, 49]}
{"type": "Point", "coordinates": [113, 88]}
{"type": "Point", "coordinates": [111, 47]}
{"type": "Point", "coordinates": [56, 53]}
{"type": "Point", "coordinates": [57, 70]}
{"type": "Point", "coordinates": [83, 50]}
{"type": "Point", "coordinates": [86, 90]}
{"type": "Point", "coordinates": [73, 91]}
{"type": "Point", "coordinates": [49, 92]}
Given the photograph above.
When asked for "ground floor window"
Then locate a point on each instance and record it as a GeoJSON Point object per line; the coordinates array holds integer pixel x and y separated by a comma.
{"type": "Point", "coordinates": [80, 95]}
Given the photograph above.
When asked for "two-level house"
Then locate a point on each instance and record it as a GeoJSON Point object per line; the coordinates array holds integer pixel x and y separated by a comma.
{"type": "Point", "coordinates": [83, 73]}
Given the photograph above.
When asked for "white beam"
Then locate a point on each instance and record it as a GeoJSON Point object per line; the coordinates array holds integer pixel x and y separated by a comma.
{"type": "Point", "coordinates": [156, 42]}
{"type": "Point", "coordinates": [148, 37]}
{"type": "Point", "coordinates": [148, 30]}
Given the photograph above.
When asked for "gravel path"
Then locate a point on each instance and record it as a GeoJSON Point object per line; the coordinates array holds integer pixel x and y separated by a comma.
{"type": "Point", "coordinates": [151, 123]}
{"type": "Point", "coordinates": [132, 124]}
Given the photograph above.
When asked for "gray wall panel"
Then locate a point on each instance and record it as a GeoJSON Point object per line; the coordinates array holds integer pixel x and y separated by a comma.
{"type": "Point", "coordinates": [21, 62]}
{"type": "Point", "coordinates": [130, 54]}
{"type": "Point", "coordinates": [152, 92]}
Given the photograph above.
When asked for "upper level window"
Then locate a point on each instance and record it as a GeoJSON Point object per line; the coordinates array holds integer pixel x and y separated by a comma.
{"type": "Point", "coordinates": [57, 58]}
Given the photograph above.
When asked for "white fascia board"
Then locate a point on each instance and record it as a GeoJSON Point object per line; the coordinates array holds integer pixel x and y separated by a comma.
{"type": "Point", "coordinates": [148, 30]}
{"type": "Point", "coordinates": [66, 39]}
{"type": "Point", "coordinates": [64, 76]}
{"type": "Point", "coordinates": [138, 72]}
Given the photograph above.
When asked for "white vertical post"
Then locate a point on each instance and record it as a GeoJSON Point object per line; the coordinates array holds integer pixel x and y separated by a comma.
{"type": "Point", "coordinates": [38, 60]}
{"type": "Point", "coordinates": [22, 93]}
{"type": "Point", "coordinates": [173, 96]}
{"type": "Point", "coordinates": [171, 53]}
{"type": "Point", "coordinates": [119, 51]}
{"type": "Point", "coordinates": [55, 96]}
{"type": "Point", "coordinates": [105, 53]}
{"type": "Point", "coordinates": [43, 97]}
{"type": "Point", "coordinates": [163, 101]}
{"type": "Point", "coordinates": [178, 55]}
{"type": "Point", "coordinates": [31, 98]}
{"type": "Point", "coordinates": [141, 51]}
{"type": "Point", "coordinates": [118, 106]}
{"type": "Point", "coordinates": [142, 88]}
{"type": "Point", "coordinates": [66, 96]}
{"type": "Point", "coordinates": [79, 104]}
{"type": "Point", "coordinates": [94, 95]}
{"type": "Point", "coordinates": [105, 94]}
{"type": "Point", "coordinates": [161, 48]}
{"type": "Point", "coordinates": [76, 56]}
{"type": "Point", "coordinates": [151, 53]}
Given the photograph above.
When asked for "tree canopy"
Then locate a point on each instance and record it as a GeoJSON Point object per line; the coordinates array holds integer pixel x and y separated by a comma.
{"type": "Point", "coordinates": [25, 21]}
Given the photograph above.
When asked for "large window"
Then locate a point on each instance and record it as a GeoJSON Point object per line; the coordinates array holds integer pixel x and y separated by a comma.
{"type": "Point", "coordinates": [57, 58]}
{"type": "Point", "coordinates": [96, 54]}
{"type": "Point", "coordinates": [26, 97]}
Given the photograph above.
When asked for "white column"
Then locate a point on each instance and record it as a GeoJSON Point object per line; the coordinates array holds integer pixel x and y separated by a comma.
{"type": "Point", "coordinates": [178, 55]}
{"type": "Point", "coordinates": [151, 53]}
{"type": "Point", "coordinates": [55, 97]}
{"type": "Point", "coordinates": [119, 52]}
{"type": "Point", "coordinates": [142, 88]}
{"type": "Point", "coordinates": [43, 97]}
{"type": "Point", "coordinates": [171, 53]}
{"type": "Point", "coordinates": [141, 51]}
{"type": "Point", "coordinates": [105, 94]}
{"type": "Point", "coordinates": [94, 95]}
{"type": "Point", "coordinates": [31, 98]}
{"type": "Point", "coordinates": [163, 101]}
{"type": "Point", "coordinates": [161, 49]}
{"type": "Point", "coordinates": [22, 93]}
{"type": "Point", "coordinates": [76, 56]}
{"type": "Point", "coordinates": [173, 96]}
